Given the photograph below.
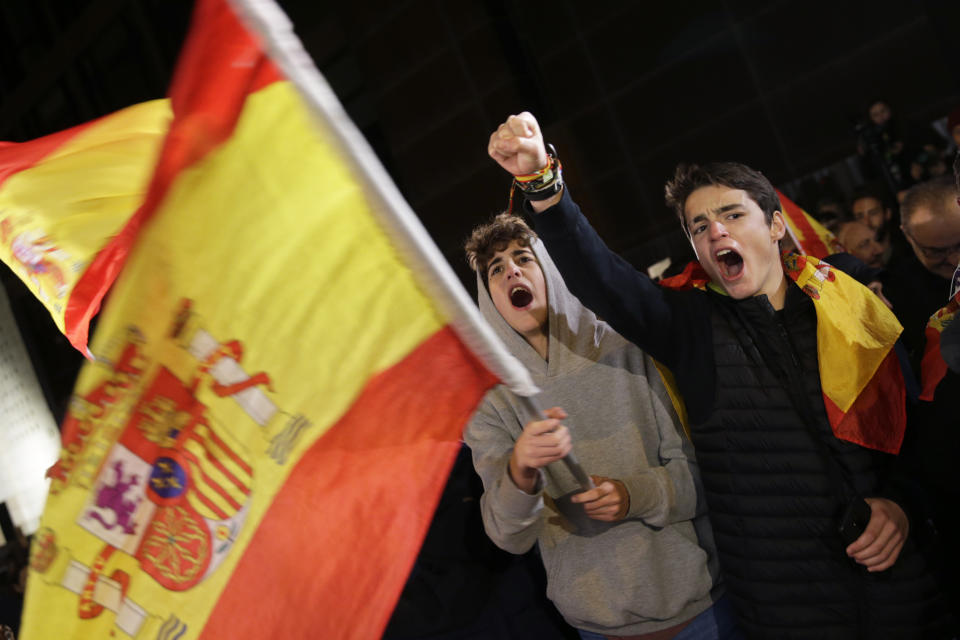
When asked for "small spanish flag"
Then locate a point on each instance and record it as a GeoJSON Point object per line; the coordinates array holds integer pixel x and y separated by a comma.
{"type": "Point", "coordinates": [860, 374]}
{"type": "Point", "coordinates": [65, 203]}
{"type": "Point", "coordinates": [933, 367]}
{"type": "Point", "coordinates": [811, 237]}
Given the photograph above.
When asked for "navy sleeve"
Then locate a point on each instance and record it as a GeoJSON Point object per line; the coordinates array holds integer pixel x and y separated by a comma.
{"type": "Point", "coordinates": [672, 326]}
{"type": "Point", "coordinates": [853, 267]}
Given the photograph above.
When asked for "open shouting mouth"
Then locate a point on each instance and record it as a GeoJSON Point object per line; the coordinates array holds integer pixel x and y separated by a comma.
{"type": "Point", "coordinates": [520, 296]}
{"type": "Point", "coordinates": [730, 263]}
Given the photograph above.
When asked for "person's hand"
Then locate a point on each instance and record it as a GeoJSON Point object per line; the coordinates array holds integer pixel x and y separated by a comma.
{"type": "Point", "coordinates": [879, 545]}
{"type": "Point", "coordinates": [540, 443]}
{"type": "Point", "coordinates": [877, 287]}
{"type": "Point", "coordinates": [608, 501]}
{"type": "Point", "coordinates": [517, 145]}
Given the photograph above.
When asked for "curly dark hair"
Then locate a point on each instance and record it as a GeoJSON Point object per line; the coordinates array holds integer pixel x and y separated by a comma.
{"type": "Point", "coordinates": [689, 177]}
{"type": "Point", "coordinates": [494, 236]}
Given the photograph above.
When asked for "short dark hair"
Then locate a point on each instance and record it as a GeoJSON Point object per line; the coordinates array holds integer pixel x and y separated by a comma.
{"type": "Point", "coordinates": [931, 194]}
{"type": "Point", "coordinates": [872, 190]}
{"type": "Point", "coordinates": [494, 236]}
{"type": "Point", "coordinates": [689, 177]}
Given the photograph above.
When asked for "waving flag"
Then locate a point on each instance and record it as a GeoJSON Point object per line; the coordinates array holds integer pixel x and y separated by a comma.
{"type": "Point", "coordinates": [811, 237]}
{"type": "Point", "coordinates": [65, 203]}
{"type": "Point", "coordinates": [280, 378]}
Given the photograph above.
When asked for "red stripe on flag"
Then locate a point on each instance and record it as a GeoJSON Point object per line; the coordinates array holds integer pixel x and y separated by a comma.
{"type": "Point", "coordinates": [879, 414]}
{"type": "Point", "coordinates": [18, 156]}
{"type": "Point", "coordinates": [337, 543]}
{"type": "Point", "coordinates": [219, 66]}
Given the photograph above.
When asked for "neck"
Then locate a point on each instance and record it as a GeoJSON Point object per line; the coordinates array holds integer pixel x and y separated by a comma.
{"type": "Point", "coordinates": [539, 341]}
{"type": "Point", "coordinates": [778, 295]}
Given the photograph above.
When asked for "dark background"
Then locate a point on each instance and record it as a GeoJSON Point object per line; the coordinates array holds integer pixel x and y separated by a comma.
{"type": "Point", "coordinates": [625, 90]}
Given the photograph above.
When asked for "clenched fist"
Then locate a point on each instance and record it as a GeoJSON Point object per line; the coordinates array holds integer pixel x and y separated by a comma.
{"type": "Point", "coordinates": [517, 145]}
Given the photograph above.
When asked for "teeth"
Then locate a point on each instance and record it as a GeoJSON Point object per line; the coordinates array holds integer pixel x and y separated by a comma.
{"type": "Point", "coordinates": [515, 289]}
{"type": "Point", "coordinates": [723, 252]}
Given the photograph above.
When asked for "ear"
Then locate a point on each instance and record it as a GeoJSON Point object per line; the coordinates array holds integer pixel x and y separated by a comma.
{"type": "Point", "coordinates": [778, 226]}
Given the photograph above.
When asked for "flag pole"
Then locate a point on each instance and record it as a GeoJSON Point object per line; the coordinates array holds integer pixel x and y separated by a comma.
{"type": "Point", "coordinates": [268, 20]}
{"type": "Point", "coordinates": [533, 408]}
{"type": "Point", "coordinates": [433, 274]}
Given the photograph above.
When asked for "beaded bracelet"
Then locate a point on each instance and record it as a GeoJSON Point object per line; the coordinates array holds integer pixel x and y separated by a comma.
{"type": "Point", "coordinates": [542, 184]}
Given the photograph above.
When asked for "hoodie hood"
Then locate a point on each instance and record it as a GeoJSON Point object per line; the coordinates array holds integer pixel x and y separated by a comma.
{"type": "Point", "coordinates": [577, 338]}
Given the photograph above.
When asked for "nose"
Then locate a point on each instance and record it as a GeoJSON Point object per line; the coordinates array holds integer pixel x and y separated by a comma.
{"type": "Point", "coordinates": [717, 230]}
{"type": "Point", "coordinates": [513, 270]}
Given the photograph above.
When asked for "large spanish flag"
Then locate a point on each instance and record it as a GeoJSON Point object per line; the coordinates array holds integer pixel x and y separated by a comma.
{"type": "Point", "coordinates": [66, 201]}
{"type": "Point", "coordinates": [280, 377]}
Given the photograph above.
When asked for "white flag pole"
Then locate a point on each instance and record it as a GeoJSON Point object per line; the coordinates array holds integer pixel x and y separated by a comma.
{"type": "Point", "coordinates": [433, 274]}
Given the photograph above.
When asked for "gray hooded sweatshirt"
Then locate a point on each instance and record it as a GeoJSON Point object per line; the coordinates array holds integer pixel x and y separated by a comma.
{"type": "Point", "coordinates": [652, 570]}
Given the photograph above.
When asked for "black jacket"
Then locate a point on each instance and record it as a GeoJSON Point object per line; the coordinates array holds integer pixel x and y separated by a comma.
{"type": "Point", "coordinates": [750, 378]}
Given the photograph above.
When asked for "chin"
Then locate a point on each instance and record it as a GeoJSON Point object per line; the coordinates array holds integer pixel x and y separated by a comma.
{"type": "Point", "coordinates": [740, 289]}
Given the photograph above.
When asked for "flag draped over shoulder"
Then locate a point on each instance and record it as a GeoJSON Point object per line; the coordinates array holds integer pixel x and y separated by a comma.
{"type": "Point", "coordinates": [65, 201]}
{"type": "Point", "coordinates": [811, 237]}
{"type": "Point", "coordinates": [863, 387]}
{"type": "Point", "coordinates": [281, 375]}
{"type": "Point", "coordinates": [860, 375]}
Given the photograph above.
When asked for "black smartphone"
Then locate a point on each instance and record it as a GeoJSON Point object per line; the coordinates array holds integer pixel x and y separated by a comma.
{"type": "Point", "coordinates": [854, 520]}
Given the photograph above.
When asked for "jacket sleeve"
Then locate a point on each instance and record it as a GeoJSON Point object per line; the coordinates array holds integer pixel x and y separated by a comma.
{"type": "Point", "coordinates": [853, 267]}
{"type": "Point", "coordinates": [511, 517]}
{"type": "Point", "coordinates": [672, 326]}
{"type": "Point", "coordinates": [669, 325]}
{"type": "Point", "coordinates": [627, 299]}
{"type": "Point", "coordinates": [668, 493]}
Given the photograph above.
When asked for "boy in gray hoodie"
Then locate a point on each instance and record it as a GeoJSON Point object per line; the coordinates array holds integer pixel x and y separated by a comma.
{"type": "Point", "coordinates": [633, 557]}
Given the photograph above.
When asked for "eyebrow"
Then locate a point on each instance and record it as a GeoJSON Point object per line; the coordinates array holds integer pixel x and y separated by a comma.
{"type": "Point", "coordinates": [727, 207]}
{"type": "Point", "coordinates": [515, 252]}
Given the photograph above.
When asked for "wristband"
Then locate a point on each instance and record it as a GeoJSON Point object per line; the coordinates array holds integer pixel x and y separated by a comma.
{"type": "Point", "coordinates": [542, 185]}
